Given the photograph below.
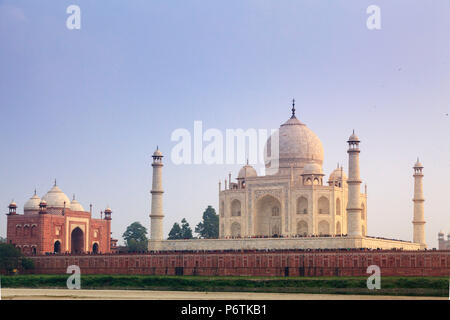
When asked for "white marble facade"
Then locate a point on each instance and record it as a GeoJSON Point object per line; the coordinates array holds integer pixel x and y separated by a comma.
{"type": "Point", "coordinates": [294, 200]}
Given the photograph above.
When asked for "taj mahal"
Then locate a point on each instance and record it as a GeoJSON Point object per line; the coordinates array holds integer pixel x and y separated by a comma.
{"type": "Point", "coordinates": [293, 207]}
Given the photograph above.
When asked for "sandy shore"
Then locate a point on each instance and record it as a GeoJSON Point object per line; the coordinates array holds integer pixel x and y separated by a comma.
{"type": "Point", "coordinates": [64, 294]}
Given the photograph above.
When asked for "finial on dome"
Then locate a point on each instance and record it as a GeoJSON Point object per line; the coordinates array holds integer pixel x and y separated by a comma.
{"type": "Point", "coordinates": [55, 182]}
{"type": "Point", "coordinates": [35, 191]}
{"type": "Point", "coordinates": [73, 197]}
{"type": "Point", "coordinates": [293, 109]}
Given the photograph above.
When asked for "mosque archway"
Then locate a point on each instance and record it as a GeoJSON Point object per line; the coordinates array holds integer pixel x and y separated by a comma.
{"type": "Point", "coordinates": [302, 228]}
{"type": "Point", "coordinates": [324, 228]}
{"type": "Point", "coordinates": [268, 216]}
{"type": "Point", "coordinates": [77, 240]}
{"type": "Point", "coordinates": [302, 205]}
{"type": "Point", "coordinates": [236, 230]}
{"type": "Point", "coordinates": [57, 247]}
{"type": "Point", "coordinates": [324, 205]}
{"type": "Point", "coordinates": [338, 228]}
{"type": "Point", "coordinates": [235, 208]}
{"type": "Point", "coordinates": [95, 248]}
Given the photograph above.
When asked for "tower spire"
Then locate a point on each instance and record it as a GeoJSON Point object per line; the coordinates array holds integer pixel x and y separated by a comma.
{"type": "Point", "coordinates": [354, 224]}
{"type": "Point", "coordinates": [293, 109]}
{"type": "Point", "coordinates": [419, 216]}
{"type": "Point", "coordinates": [157, 215]}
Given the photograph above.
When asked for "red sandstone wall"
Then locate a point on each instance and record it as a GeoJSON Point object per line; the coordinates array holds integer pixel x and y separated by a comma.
{"type": "Point", "coordinates": [392, 263]}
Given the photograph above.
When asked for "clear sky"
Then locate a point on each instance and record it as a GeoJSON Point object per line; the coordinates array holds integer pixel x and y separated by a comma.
{"type": "Point", "coordinates": [89, 106]}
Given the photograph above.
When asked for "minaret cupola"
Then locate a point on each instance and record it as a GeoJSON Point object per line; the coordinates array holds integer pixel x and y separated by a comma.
{"type": "Point", "coordinates": [12, 208]}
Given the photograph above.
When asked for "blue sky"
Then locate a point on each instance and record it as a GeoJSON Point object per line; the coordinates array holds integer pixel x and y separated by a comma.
{"type": "Point", "coordinates": [89, 106]}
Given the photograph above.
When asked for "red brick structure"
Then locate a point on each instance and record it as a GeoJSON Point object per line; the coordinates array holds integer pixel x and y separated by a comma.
{"type": "Point", "coordinates": [256, 263]}
{"type": "Point", "coordinates": [58, 226]}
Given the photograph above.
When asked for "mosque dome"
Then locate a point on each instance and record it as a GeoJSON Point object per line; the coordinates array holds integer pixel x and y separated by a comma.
{"type": "Point", "coordinates": [75, 205]}
{"type": "Point", "coordinates": [32, 203]}
{"type": "Point", "coordinates": [441, 233]}
{"type": "Point", "coordinates": [312, 168]}
{"type": "Point", "coordinates": [247, 171]}
{"type": "Point", "coordinates": [337, 175]}
{"type": "Point", "coordinates": [298, 145]}
{"type": "Point", "coordinates": [353, 137]}
{"type": "Point", "coordinates": [55, 198]}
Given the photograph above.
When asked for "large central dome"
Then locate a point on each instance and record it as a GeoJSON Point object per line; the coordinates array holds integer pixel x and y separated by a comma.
{"type": "Point", "coordinates": [55, 198]}
{"type": "Point", "coordinates": [298, 145]}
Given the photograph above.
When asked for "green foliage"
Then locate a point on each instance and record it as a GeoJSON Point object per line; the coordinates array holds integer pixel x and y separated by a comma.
{"type": "Point", "coordinates": [183, 232]}
{"type": "Point", "coordinates": [11, 258]}
{"type": "Point", "coordinates": [186, 231]}
{"type": "Point", "coordinates": [209, 227]}
{"type": "Point", "coordinates": [175, 232]}
{"type": "Point", "coordinates": [413, 286]}
{"type": "Point", "coordinates": [136, 237]}
{"type": "Point", "coordinates": [2, 240]}
{"type": "Point", "coordinates": [27, 264]}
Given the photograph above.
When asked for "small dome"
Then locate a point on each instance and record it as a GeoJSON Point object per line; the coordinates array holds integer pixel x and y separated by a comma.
{"type": "Point", "coordinates": [43, 203]}
{"type": "Point", "coordinates": [338, 174]}
{"type": "Point", "coordinates": [418, 164]}
{"type": "Point", "coordinates": [247, 171]}
{"type": "Point", "coordinates": [353, 137]}
{"type": "Point", "coordinates": [157, 153]}
{"type": "Point", "coordinates": [108, 210]}
{"type": "Point", "coordinates": [32, 203]}
{"type": "Point", "coordinates": [76, 206]}
{"type": "Point", "coordinates": [441, 233]}
{"type": "Point", "coordinates": [12, 204]}
{"type": "Point", "coordinates": [312, 168]}
{"type": "Point", "coordinates": [55, 198]}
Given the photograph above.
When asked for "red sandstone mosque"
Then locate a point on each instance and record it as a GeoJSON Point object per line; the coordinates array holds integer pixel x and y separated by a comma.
{"type": "Point", "coordinates": [54, 224]}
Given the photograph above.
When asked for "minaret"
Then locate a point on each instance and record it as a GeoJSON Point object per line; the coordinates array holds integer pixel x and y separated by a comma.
{"type": "Point", "coordinates": [156, 215]}
{"type": "Point", "coordinates": [354, 227]}
{"type": "Point", "coordinates": [419, 219]}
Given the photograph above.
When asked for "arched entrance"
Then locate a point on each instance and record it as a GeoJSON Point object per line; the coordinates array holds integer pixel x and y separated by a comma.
{"type": "Point", "coordinates": [57, 247]}
{"type": "Point", "coordinates": [268, 217]}
{"type": "Point", "coordinates": [95, 248]}
{"type": "Point", "coordinates": [236, 230]}
{"type": "Point", "coordinates": [77, 240]}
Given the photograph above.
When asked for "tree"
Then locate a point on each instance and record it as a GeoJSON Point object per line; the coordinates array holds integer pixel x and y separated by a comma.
{"type": "Point", "coordinates": [11, 258]}
{"type": "Point", "coordinates": [175, 232]}
{"type": "Point", "coordinates": [186, 231]}
{"type": "Point", "coordinates": [136, 237]}
{"type": "Point", "coordinates": [2, 240]}
{"type": "Point", "coordinates": [209, 227]}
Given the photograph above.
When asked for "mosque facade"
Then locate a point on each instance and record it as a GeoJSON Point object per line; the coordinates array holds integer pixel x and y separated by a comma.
{"type": "Point", "coordinates": [294, 206]}
{"type": "Point", "coordinates": [54, 224]}
{"type": "Point", "coordinates": [296, 200]}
